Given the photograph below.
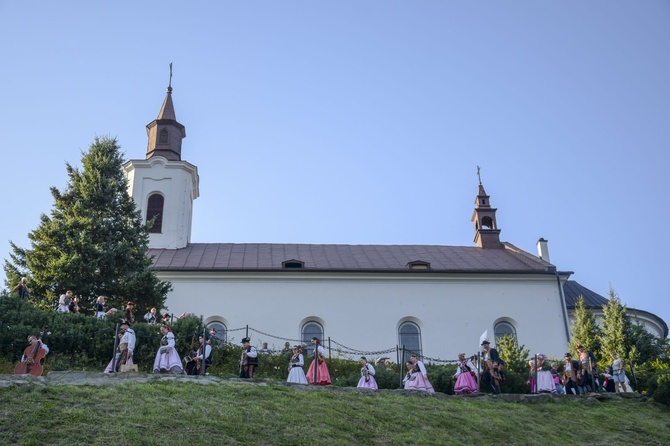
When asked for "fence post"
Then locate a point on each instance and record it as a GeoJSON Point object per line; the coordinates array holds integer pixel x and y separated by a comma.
{"type": "Point", "coordinates": [204, 350]}
{"type": "Point", "coordinates": [329, 355]}
{"type": "Point", "coordinates": [247, 332]}
{"type": "Point", "coordinates": [116, 345]}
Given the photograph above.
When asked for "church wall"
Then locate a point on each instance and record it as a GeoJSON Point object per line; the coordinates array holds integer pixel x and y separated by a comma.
{"type": "Point", "coordinates": [364, 311]}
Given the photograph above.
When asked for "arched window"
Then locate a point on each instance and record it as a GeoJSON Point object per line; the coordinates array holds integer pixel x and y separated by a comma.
{"type": "Point", "coordinates": [155, 209]}
{"type": "Point", "coordinates": [409, 335]}
{"type": "Point", "coordinates": [309, 330]}
{"type": "Point", "coordinates": [503, 328]}
{"type": "Point", "coordinates": [163, 137]}
{"type": "Point", "coordinates": [487, 222]}
{"type": "Point", "coordinates": [221, 331]}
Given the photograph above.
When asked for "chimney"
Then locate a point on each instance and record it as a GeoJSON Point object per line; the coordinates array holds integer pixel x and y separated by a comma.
{"type": "Point", "coordinates": [543, 250]}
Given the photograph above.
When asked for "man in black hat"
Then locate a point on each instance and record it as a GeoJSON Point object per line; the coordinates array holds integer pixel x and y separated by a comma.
{"type": "Point", "coordinates": [249, 359]}
{"type": "Point", "coordinates": [571, 370]}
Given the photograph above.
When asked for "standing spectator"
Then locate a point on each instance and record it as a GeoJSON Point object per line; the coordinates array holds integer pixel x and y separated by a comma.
{"type": "Point", "coordinates": [22, 288]}
{"type": "Point", "coordinates": [64, 302]}
{"type": "Point", "coordinates": [100, 307]}
{"type": "Point", "coordinates": [286, 349]}
{"type": "Point", "coordinates": [265, 350]}
{"type": "Point", "coordinates": [618, 373]}
{"type": "Point", "coordinates": [166, 318]}
{"type": "Point", "coordinates": [74, 305]}
{"type": "Point", "coordinates": [150, 317]}
{"type": "Point", "coordinates": [129, 313]}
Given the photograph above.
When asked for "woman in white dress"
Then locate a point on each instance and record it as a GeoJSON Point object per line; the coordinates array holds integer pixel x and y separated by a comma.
{"type": "Point", "coordinates": [296, 374]}
{"type": "Point", "coordinates": [167, 359]}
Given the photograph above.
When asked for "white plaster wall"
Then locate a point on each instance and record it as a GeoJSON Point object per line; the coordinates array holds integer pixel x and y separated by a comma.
{"type": "Point", "coordinates": [177, 182]}
{"type": "Point", "coordinates": [364, 311]}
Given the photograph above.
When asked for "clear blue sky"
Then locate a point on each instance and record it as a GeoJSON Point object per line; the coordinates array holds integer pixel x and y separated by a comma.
{"type": "Point", "coordinates": [362, 122]}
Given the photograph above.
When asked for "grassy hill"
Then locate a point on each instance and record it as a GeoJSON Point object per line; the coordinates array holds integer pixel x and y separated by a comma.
{"type": "Point", "coordinates": [187, 411]}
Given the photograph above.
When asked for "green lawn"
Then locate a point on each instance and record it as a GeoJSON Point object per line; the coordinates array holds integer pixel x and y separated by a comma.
{"type": "Point", "coordinates": [230, 413]}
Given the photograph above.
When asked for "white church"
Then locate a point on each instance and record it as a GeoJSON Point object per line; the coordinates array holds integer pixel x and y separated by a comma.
{"type": "Point", "coordinates": [422, 295]}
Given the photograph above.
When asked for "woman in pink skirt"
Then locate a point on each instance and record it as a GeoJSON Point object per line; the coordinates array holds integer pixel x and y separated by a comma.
{"type": "Point", "coordinates": [367, 374]}
{"type": "Point", "coordinates": [322, 375]}
{"type": "Point", "coordinates": [465, 376]}
{"type": "Point", "coordinates": [414, 380]}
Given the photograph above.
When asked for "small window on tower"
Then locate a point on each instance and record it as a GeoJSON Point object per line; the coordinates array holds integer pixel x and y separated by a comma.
{"type": "Point", "coordinates": [163, 137]}
{"type": "Point", "coordinates": [155, 209]}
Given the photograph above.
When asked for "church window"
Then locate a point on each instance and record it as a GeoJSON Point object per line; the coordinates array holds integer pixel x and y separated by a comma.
{"type": "Point", "coordinates": [310, 330]}
{"type": "Point", "coordinates": [155, 209]}
{"type": "Point", "coordinates": [504, 328]}
{"type": "Point", "coordinates": [221, 334]}
{"type": "Point", "coordinates": [163, 137]}
{"type": "Point", "coordinates": [409, 335]}
{"type": "Point", "coordinates": [487, 222]}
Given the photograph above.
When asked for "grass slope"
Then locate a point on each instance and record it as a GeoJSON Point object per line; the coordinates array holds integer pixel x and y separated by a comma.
{"type": "Point", "coordinates": [232, 413]}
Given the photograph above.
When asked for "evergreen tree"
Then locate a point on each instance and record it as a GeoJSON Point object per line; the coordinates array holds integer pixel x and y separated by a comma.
{"type": "Point", "coordinates": [585, 330]}
{"type": "Point", "coordinates": [514, 356]}
{"type": "Point", "coordinates": [616, 330]}
{"type": "Point", "coordinates": [93, 243]}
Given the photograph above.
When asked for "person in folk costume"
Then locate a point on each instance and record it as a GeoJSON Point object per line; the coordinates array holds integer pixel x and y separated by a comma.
{"type": "Point", "coordinates": [319, 362]}
{"type": "Point", "coordinates": [249, 360]}
{"type": "Point", "coordinates": [415, 380]}
{"type": "Point", "coordinates": [466, 373]}
{"type": "Point", "coordinates": [571, 370]}
{"type": "Point", "coordinates": [124, 352]}
{"type": "Point", "coordinates": [488, 379]}
{"type": "Point", "coordinates": [422, 368]}
{"type": "Point", "coordinates": [618, 373]}
{"type": "Point", "coordinates": [167, 359]}
{"type": "Point", "coordinates": [367, 375]}
{"type": "Point", "coordinates": [545, 380]}
{"type": "Point", "coordinates": [296, 374]}
{"type": "Point", "coordinates": [194, 363]}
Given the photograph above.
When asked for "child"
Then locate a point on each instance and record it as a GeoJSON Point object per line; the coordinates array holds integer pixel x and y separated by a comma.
{"type": "Point", "coordinates": [557, 378]}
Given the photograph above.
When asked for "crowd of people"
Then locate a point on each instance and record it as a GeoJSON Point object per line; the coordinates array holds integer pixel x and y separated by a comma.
{"type": "Point", "coordinates": [578, 376]}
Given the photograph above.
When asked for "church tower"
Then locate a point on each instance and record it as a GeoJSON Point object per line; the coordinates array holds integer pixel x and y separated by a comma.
{"type": "Point", "coordinates": [487, 234]}
{"type": "Point", "coordinates": [162, 185]}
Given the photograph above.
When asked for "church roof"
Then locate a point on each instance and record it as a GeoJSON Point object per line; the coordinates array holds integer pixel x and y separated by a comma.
{"type": "Point", "coordinates": [573, 290]}
{"type": "Point", "coordinates": [346, 258]}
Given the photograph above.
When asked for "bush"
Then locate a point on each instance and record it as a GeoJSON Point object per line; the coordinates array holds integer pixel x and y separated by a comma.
{"type": "Point", "coordinates": [659, 387]}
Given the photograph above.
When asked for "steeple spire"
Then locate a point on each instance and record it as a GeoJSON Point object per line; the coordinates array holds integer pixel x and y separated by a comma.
{"type": "Point", "coordinates": [165, 132]}
{"type": "Point", "coordinates": [487, 234]}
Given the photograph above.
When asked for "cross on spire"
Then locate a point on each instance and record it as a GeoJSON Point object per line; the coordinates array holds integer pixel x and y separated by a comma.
{"type": "Point", "coordinates": [478, 168]}
{"type": "Point", "coordinates": [170, 83]}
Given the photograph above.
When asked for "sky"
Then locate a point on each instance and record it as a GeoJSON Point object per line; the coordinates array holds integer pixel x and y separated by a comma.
{"type": "Point", "coordinates": [363, 122]}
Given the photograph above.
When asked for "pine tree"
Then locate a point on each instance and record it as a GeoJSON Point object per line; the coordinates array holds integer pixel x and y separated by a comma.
{"type": "Point", "coordinates": [94, 241]}
{"type": "Point", "coordinates": [616, 330]}
{"type": "Point", "coordinates": [514, 356]}
{"type": "Point", "coordinates": [585, 330]}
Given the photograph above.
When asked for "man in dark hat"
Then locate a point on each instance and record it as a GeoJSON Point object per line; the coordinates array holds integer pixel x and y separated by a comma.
{"type": "Point", "coordinates": [489, 357]}
{"type": "Point", "coordinates": [571, 371]}
{"type": "Point", "coordinates": [249, 359]}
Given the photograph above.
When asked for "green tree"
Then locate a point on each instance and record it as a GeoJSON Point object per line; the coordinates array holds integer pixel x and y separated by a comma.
{"type": "Point", "coordinates": [585, 330]}
{"type": "Point", "coordinates": [94, 241]}
{"type": "Point", "coordinates": [514, 356]}
{"type": "Point", "coordinates": [616, 330]}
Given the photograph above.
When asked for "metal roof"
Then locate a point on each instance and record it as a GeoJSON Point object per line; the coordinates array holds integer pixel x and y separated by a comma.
{"type": "Point", "coordinates": [343, 258]}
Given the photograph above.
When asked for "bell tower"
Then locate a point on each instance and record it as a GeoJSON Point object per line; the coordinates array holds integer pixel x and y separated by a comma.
{"type": "Point", "coordinates": [487, 234]}
{"type": "Point", "coordinates": [163, 185]}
